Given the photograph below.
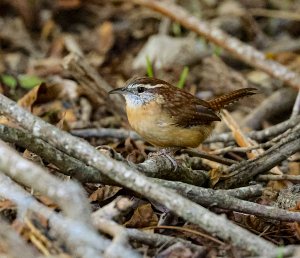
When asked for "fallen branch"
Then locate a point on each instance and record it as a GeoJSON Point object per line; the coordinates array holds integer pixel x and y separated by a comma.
{"type": "Point", "coordinates": [67, 164]}
{"type": "Point", "coordinates": [279, 102]}
{"type": "Point", "coordinates": [103, 220]}
{"type": "Point", "coordinates": [86, 244]}
{"type": "Point", "coordinates": [293, 178]}
{"type": "Point", "coordinates": [258, 135]}
{"type": "Point", "coordinates": [242, 173]}
{"type": "Point", "coordinates": [120, 134]}
{"type": "Point", "coordinates": [93, 84]}
{"type": "Point", "coordinates": [210, 197]}
{"type": "Point", "coordinates": [135, 181]}
{"type": "Point", "coordinates": [68, 195]}
{"type": "Point", "coordinates": [162, 167]}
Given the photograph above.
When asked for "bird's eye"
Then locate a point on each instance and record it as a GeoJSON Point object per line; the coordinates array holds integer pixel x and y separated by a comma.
{"type": "Point", "coordinates": [140, 89]}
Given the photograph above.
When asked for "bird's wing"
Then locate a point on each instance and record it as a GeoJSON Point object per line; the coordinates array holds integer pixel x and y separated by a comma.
{"type": "Point", "coordinates": [187, 110]}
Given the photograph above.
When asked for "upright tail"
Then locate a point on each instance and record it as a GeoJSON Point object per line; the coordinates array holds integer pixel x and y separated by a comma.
{"type": "Point", "coordinates": [229, 98]}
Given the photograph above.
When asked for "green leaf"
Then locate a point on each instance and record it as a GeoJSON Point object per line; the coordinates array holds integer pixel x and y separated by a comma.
{"type": "Point", "coordinates": [9, 80]}
{"type": "Point", "coordinates": [217, 50]}
{"type": "Point", "coordinates": [149, 67]}
{"type": "Point", "coordinates": [280, 252]}
{"type": "Point", "coordinates": [29, 81]}
{"type": "Point", "coordinates": [176, 29]}
{"type": "Point", "coordinates": [183, 77]}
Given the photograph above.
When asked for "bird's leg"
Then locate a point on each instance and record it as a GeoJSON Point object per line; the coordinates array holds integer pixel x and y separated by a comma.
{"type": "Point", "coordinates": [169, 153]}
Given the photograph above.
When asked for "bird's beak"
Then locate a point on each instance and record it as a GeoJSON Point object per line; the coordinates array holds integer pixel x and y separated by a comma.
{"type": "Point", "coordinates": [117, 91]}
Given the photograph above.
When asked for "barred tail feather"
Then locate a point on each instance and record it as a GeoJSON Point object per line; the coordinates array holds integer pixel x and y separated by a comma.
{"type": "Point", "coordinates": [227, 99]}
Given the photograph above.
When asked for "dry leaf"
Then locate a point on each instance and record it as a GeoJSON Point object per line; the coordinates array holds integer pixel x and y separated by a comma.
{"type": "Point", "coordinates": [33, 157]}
{"type": "Point", "coordinates": [106, 37]}
{"type": "Point", "coordinates": [31, 96]}
{"type": "Point", "coordinates": [47, 201]}
{"type": "Point", "coordinates": [215, 174]}
{"type": "Point", "coordinates": [104, 193]}
{"type": "Point", "coordinates": [142, 217]}
{"type": "Point", "coordinates": [6, 204]}
{"type": "Point", "coordinates": [41, 94]}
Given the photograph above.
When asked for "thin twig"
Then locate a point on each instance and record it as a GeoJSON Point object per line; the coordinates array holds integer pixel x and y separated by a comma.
{"type": "Point", "coordinates": [208, 156]}
{"type": "Point", "coordinates": [120, 134]}
{"type": "Point", "coordinates": [293, 178]}
{"type": "Point", "coordinates": [241, 174]}
{"type": "Point", "coordinates": [279, 14]}
{"type": "Point", "coordinates": [296, 108]}
{"type": "Point", "coordinates": [187, 230]}
{"type": "Point", "coordinates": [259, 135]}
{"type": "Point", "coordinates": [210, 197]}
{"type": "Point", "coordinates": [279, 102]}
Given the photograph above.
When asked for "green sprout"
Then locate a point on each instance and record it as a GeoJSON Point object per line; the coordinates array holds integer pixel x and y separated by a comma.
{"type": "Point", "coordinates": [149, 67]}
{"type": "Point", "coordinates": [9, 81]}
{"type": "Point", "coordinates": [183, 77]}
{"type": "Point", "coordinates": [176, 29]}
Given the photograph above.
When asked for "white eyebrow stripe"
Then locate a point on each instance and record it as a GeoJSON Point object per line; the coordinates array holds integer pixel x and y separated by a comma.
{"type": "Point", "coordinates": [147, 86]}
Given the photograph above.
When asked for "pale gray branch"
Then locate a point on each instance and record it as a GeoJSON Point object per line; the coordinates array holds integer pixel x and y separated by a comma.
{"type": "Point", "coordinates": [68, 194]}
{"type": "Point", "coordinates": [80, 240]}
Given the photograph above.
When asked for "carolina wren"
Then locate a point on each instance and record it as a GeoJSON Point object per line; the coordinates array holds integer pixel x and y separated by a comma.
{"type": "Point", "coordinates": [166, 116]}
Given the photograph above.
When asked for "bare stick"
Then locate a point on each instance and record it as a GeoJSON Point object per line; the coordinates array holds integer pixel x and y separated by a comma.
{"type": "Point", "coordinates": [120, 134]}
{"type": "Point", "coordinates": [67, 164]}
{"type": "Point", "coordinates": [296, 108]}
{"type": "Point", "coordinates": [94, 85]}
{"type": "Point", "coordinates": [279, 102]}
{"type": "Point", "coordinates": [162, 167]}
{"type": "Point", "coordinates": [293, 178]}
{"type": "Point", "coordinates": [86, 244]}
{"type": "Point", "coordinates": [239, 49]}
{"type": "Point", "coordinates": [259, 135]}
{"type": "Point", "coordinates": [242, 173]}
{"type": "Point", "coordinates": [210, 197]}
{"type": "Point", "coordinates": [134, 180]}
{"type": "Point", "coordinates": [102, 219]}
{"type": "Point", "coordinates": [159, 240]}
{"type": "Point", "coordinates": [69, 195]}
{"type": "Point", "coordinates": [244, 192]}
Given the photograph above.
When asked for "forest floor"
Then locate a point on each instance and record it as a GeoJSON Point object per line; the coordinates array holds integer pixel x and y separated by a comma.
{"type": "Point", "coordinates": [236, 195]}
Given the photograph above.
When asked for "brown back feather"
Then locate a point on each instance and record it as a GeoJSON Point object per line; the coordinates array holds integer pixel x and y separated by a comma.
{"type": "Point", "coordinates": [227, 99]}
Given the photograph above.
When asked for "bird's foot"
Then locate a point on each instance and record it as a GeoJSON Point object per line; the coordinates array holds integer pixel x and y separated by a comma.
{"type": "Point", "coordinates": [169, 153]}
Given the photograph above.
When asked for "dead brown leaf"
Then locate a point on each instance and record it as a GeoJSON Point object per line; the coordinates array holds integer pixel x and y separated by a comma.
{"type": "Point", "coordinates": [104, 192]}
{"type": "Point", "coordinates": [47, 201]}
{"type": "Point", "coordinates": [106, 37]}
{"type": "Point", "coordinates": [6, 204]}
{"type": "Point", "coordinates": [143, 216]}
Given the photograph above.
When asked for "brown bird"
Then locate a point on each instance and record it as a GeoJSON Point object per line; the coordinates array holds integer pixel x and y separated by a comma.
{"type": "Point", "coordinates": [169, 117]}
